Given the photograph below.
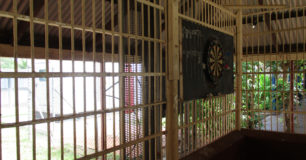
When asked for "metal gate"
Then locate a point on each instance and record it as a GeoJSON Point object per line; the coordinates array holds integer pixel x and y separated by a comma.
{"type": "Point", "coordinates": [82, 79]}
{"type": "Point", "coordinates": [273, 80]}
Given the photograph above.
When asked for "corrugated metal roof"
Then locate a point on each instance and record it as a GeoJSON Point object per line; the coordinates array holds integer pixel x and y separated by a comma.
{"type": "Point", "coordinates": [276, 28]}
{"type": "Point", "coordinates": [23, 8]}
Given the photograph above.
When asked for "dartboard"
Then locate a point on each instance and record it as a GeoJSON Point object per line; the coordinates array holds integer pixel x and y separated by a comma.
{"type": "Point", "coordinates": [215, 60]}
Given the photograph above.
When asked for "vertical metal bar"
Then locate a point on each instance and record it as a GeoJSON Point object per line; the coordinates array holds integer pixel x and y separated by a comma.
{"type": "Point", "coordinates": [113, 84]}
{"type": "Point", "coordinates": [93, 7]}
{"type": "Point", "coordinates": [265, 91]}
{"type": "Point", "coordinates": [103, 14]}
{"type": "Point", "coordinates": [193, 125]}
{"type": "Point", "coordinates": [210, 17]}
{"type": "Point", "coordinates": [33, 78]}
{"type": "Point", "coordinates": [252, 82]}
{"type": "Point", "coordinates": [291, 96]}
{"type": "Point", "coordinates": [284, 75]}
{"type": "Point", "coordinates": [128, 68]}
{"type": "Point", "coordinates": [160, 86]}
{"type": "Point", "coordinates": [258, 71]}
{"type": "Point", "coordinates": [61, 71]}
{"type": "Point", "coordinates": [143, 78]}
{"type": "Point", "coordinates": [304, 47]}
{"type": "Point", "coordinates": [203, 122]}
{"type": "Point", "coordinates": [103, 98]}
{"type": "Point", "coordinates": [181, 103]}
{"type": "Point", "coordinates": [103, 92]}
{"type": "Point", "coordinates": [202, 3]}
{"type": "Point", "coordinates": [270, 62]}
{"type": "Point", "coordinates": [205, 11]}
{"type": "Point", "coordinates": [149, 87]}
{"type": "Point", "coordinates": [73, 78]}
{"type": "Point", "coordinates": [121, 80]}
{"type": "Point", "coordinates": [188, 104]}
{"type": "Point", "coordinates": [136, 77]}
{"type": "Point", "coordinates": [211, 129]}
{"type": "Point", "coordinates": [296, 69]}
{"type": "Point", "coordinates": [214, 118]}
{"type": "Point", "coordinates": [188, 7]}
{"type": "Point", "coordinates": [155, 83]}
{"type": "Point", "coordinates": [84, 78]}
{"type": "Point", "coordinates": [46, 14]}
{"type": "Point", "coordinates": [16, 79]}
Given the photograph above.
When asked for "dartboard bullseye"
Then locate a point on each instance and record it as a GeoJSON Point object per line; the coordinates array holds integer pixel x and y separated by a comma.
{"type": "Point", "coordinates": [215, 60]}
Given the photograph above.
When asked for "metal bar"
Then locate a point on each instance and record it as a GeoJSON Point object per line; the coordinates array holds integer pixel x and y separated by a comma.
{"type": "Point", "coordinates": [73, 79]}
{"type": "Point", "coordinates": [125, 145]}
{"type": "Point", "coordinates": [112, 62]}
{"type": "Point", "coordinates": [205, 24]}
{"type": "Point", "coordinates": [76, 27]}
{"type": "Point", "coordinates": [31, 6]}
{"type": "Point", "coordinates": [121, 79]}
{"type": "Point", "coordinates": [291, 104]}
{"type": "Point", "coordinates": [155, 75]}
{"type": "Point", "coordinates": [77, 115]}
{"type": "Point", "coordinates": [149, 87]}
{"type": "Point", "coordinates": [93, 14]}
{"type": "Point", "coordinates": [60, 37]}
{"type": "Point", "coordinates": [16, 79]}
{"type": "Point", "coordinates": [143, 80]}
{"type": "Point", "coordinates": [46, 13]}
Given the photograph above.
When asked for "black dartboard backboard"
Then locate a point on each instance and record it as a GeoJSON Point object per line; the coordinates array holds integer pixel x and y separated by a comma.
{"type": "Point", "coordinates": [207, 62]}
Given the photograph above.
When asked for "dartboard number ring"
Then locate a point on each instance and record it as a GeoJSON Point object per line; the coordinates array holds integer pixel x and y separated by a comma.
{"type": "Point", "coordinates": [215, 60]}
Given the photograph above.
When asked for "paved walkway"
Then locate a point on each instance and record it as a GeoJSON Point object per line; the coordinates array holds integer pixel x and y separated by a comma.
{"type": "Point", "coordinates": [276, 122]}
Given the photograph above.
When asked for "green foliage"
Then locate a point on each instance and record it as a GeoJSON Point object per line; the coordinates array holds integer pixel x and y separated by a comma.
{"type": "Point", "coordinates": [8, 63]}
{"type": "Point", "coordinates": [266, 86]}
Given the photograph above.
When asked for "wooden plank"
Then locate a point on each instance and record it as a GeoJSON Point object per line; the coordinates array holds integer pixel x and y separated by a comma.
{"type": "Point", "coordinates": [239, 52]}
{"type": "Point", "coordinates": [274, 57]}
{"type": "Point", "coordinates": [23, 52]}
{"type": "Point", "coordinates": [172, 79]}
{"type": "Point", "coordinates": [248, 7]}
{"type": "Point", "coordinates": [173, 40]}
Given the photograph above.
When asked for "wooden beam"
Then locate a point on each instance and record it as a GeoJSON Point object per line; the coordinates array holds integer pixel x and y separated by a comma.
{"type": "Point", "coordinates": [23, 27]}
{"type": "Point", "coordinates": [268, 23]}
{"type": "Point", "coordinates": [172, 80]}
{"type": "Point", "coordinates": [268, 49]}
{"type": "Point", "coordinates": [276, 15]}
{"type": "Point", "coordinates": [239, 52]}
{"type": "Point", "coordinates": [247, 7]}
{"type": "Point", "coordinates": [23, 52]}
{"type": "Point", "coordinates": [274, 57]}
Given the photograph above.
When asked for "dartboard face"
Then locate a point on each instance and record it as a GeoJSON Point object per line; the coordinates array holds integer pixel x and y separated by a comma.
{"type": "Point", "coordinates": [215, 60]}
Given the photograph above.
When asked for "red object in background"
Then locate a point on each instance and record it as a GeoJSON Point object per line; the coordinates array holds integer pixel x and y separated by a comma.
{"type": "Point", "coordinates": [226, 66]}
{"type": "Point", "coordinates": [291, 96]}
{"type": "Point", "coordinates": [129, 88]}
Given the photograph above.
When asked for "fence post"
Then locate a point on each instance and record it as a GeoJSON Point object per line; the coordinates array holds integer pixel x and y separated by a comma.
{"type": "Point", "coordinates": [172, 80]}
